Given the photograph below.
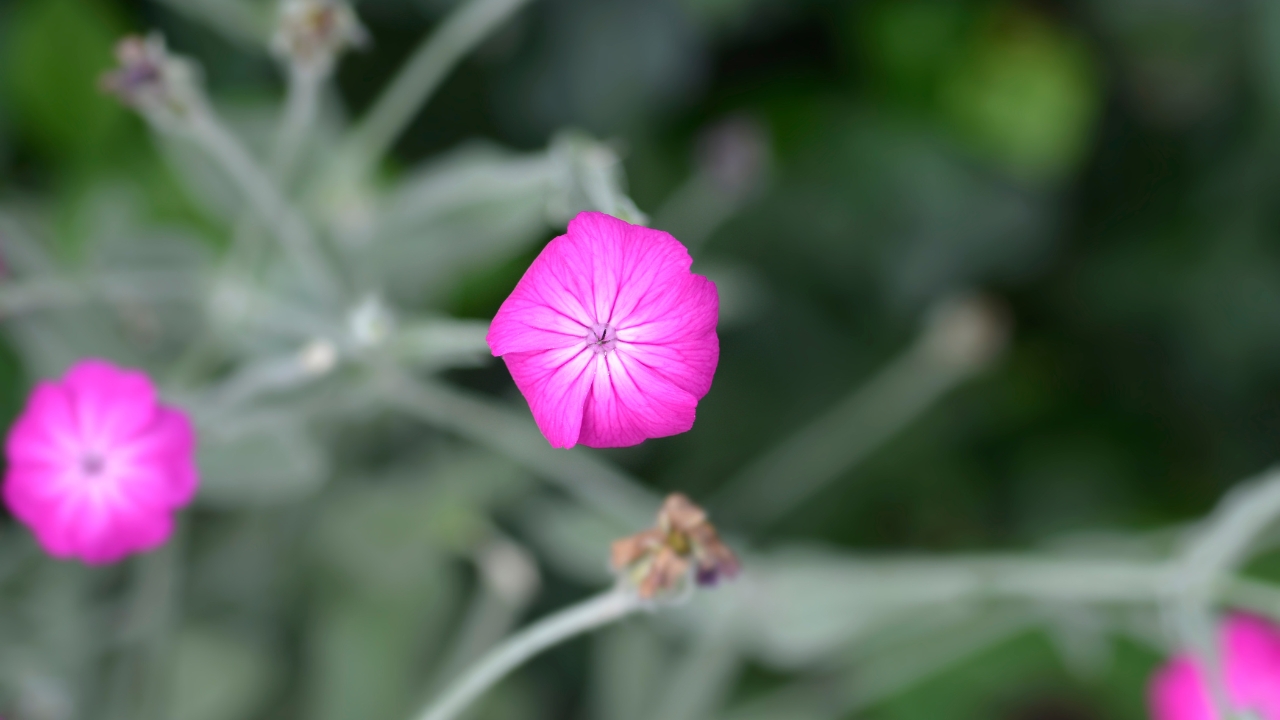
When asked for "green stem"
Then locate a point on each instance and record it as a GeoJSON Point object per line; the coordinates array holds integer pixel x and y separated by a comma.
{"type": "Point", "coordinates": [548, 632]}
{"type": "Point", "coordinates": [158, 607]}
{"type": "Point", "coordinates": [703, 677]}
{"type": "Point", "coordinates": [961, 336]}
{"type": "Point", "coordinates": [1212, 560]}
{"type": "Point", "coordinates": [508, 580]}
{"type": "Point", "coordinates": [1254, 596]}
{"type": "Point", "coordinates": [266, 198]}
{"type": "Point", "coordinates": [460, 32]}
{"type": "Point", "coordinates": [301, 106]}
{"type": "Point", "coordinates": [488, 424]}
{"type": "Point", "coordinates": [235, 20]}
{"type": "Point", "coordinates": [18, 297]}
{"type": "Point", "coordinates": [823, 450]}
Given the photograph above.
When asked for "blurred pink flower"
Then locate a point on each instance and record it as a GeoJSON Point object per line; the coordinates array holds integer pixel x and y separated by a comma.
{"type": "Point", "coordinates": [1251, 661]}
{"type": "Point", "coordinates": [609, 336]}
{"type": "Point", "coordinates": [97, 466]}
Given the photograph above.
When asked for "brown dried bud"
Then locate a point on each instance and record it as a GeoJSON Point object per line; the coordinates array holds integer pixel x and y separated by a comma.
{"type": "Point", "coordinates": [658, 561]}
{"type": "Point", "coordinates": [967, 332]}
{"type": "Point", "coordinates": [312, 33]}
{"type": "Point", "coordinates": [161, 86]}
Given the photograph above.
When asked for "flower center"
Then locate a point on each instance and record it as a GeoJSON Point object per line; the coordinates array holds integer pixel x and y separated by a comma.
{"type": "Point", "coordinates": [92, 463]}
{"type": "Point", "coordinates": [602, 338]}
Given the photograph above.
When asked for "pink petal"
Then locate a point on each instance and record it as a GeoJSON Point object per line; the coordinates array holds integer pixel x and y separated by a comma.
{"type": "Point", "coordinates": [681, 341]}
{"type": "Point", "coordinates": [34, 493]}
{"type": "Point", "coordinates": [1252, 647]}
{"type": "Point", "coordinates": [689, 365]}
{"type": "Point", "coordinates": [549, 306]}
{"type": "Point", "coordinates": [601, 246]}
{"type": "Point", "coordinates": [95, 527]}
{"type": "Point", "coordinates": [46, 432]}
{"type": "Point", "coordinates": [603, 270]}
{"type": "Point", "coordinates": [631, 266]}
{"type": "Point", "coordinates": [689, 308]}
{"type": "Point", "coordinates": [679, 308]}
{"type": "Point", "coordinates": [555, 382]}
{"type": "Point", "coordinates": [622, 281]}
{"type": "Point", "coordinates": [166, 449]}
{"type": "Point", "coordinates": [1251, 657]}
{"type": "Point", "coordinates": [105, 531]}
{"type": "Point", "coordinates": [1178, 693]}
{"type": "Point", "coordinates": [631, 401]}
{"type": "Point", "coordinates": [112, 405]}
{"type": "Point", "coordinates": [525, 324]}
{"type": "Point", "coordinates": [147, 469]}
{"type": "Point", "coordinates": [128, 530]}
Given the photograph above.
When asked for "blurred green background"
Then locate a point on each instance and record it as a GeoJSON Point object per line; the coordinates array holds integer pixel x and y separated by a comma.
{"type": "Point", "coordinates": [1107, 170]}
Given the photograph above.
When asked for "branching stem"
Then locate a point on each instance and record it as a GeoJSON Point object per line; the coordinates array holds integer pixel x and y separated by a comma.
{"type": "Point", "coordinates": [267, 199]}
{"type": "Point", "coordinates": [439, 53]}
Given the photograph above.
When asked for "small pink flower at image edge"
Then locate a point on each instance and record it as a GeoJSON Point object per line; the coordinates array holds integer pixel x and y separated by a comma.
{"type": "Point", "coordinates": [98, 465]}
{"type": "Point", "coordinates": [1251, 662]}
{"type": "Point", "coordinates": [609, 336]}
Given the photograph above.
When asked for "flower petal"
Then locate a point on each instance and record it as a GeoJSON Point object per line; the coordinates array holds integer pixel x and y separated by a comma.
{"type": "Point", "coordinates": [1178, 693]}
{"type": "Point", "coordinates": [555, 382]}
{"type": "Point", "coordinates": [631, 401]}
{"type": "Point", "coordinates": [166, 450]}
{"type": "Point", "coordinates": [632, 285]}
{"type": "Point", "coordinates": [94, 526]}
{"type": "Point", "coordinates": [653, 278]}
{"type": "Point", "coordinates": [525, 324]}
{"type": "Point", "coordinates": [46, 432]}
{"type": "Point", "coordinates": [1252, 651]}
{"type": "Point", "coordinates": [144, 469]}
{"type": "Point", "coordinates": [34, 493]}
{"type": "Point", "coordinates": [112, 405]}
{"type": "Point", "coordinates": [679, 340]}
{"type": "Point", "coordinates": [688, 308]}
{"type": "Point", "coordinates": [105, 530]}
{"type": "Point", "coordinates": [598, 246]}
{"type": "Point", "coordinates": [551, 305]}
{"type": "Point", "coordinates": [689, 365]}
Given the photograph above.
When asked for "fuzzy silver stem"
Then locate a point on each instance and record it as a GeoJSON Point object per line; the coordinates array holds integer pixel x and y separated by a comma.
{"type": "Point", "coordinates": [548, 632]}
{"type": "Point", "coordinates": [1211, 561]}
{"type": "Point", "coordinates": [458, 35]}
{"type": "Point", "coordinates": [265, 196]}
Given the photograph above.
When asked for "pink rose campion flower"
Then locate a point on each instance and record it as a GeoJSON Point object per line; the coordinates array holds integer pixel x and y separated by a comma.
{"type": "Point", "coordinates": [609, 336]}
{"type": "Point", "coordinates": [97, 465]}
{"type": "Point", "coordinates": [1251, 662]}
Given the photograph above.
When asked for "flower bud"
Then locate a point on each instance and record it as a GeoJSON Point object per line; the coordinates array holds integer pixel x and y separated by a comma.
{"type": "Point", "coordinates": [659, 562]}
{"type": "Point", "coordinates": [312, 33]}
{"type": "Point", "coordinates": [967, 332]}
{"type": "Point", "coordinates": [164, 88]}
{"type": "Point", "coordinates": [318, 357]}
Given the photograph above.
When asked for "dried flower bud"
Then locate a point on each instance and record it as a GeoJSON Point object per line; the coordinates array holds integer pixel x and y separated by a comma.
{"type": "Point", "coordinates": [967, 332]}
{"type": "Point", "coordinates": [163, 87]}
{"type": "Point", "coordinates": [312, 33]}
{"type": "Point", "coordinates": [658, 561]}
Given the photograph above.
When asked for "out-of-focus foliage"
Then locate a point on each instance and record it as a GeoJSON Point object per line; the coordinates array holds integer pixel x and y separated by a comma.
{"type": "Point", "coordinates": [1105, 169]}
{"type": "Point", "coordinates": [53, 54]}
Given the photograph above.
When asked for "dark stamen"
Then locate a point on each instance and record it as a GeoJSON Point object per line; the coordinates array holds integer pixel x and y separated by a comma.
{"type": "Point", "coordinates": [92, 464]}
